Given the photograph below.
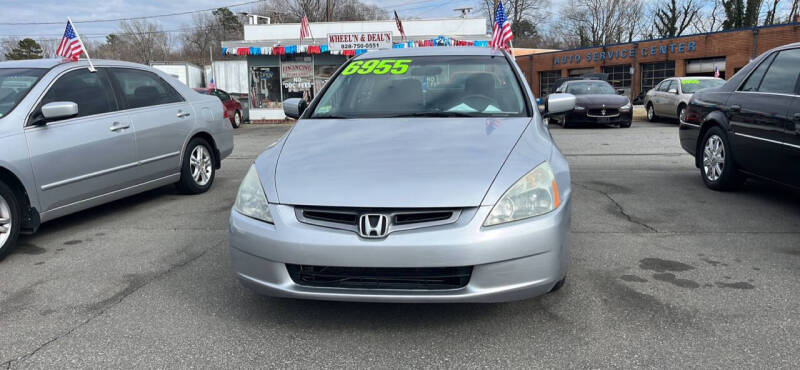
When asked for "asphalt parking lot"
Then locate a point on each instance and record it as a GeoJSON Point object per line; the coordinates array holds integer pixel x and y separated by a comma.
{"type": "Point", "coordinates": [664, 273]}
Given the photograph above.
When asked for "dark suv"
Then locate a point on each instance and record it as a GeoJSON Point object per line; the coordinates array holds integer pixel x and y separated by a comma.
{"type": "Point", "coordinates": [750, 125]}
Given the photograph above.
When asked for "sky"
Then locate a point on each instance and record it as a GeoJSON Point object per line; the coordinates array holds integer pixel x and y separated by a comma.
{"type": "Point", "coordinates": [58, 10]}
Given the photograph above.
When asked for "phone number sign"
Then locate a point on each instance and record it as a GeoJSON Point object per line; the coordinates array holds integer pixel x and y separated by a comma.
{"type": "Point", "coordinates": [360, 40]}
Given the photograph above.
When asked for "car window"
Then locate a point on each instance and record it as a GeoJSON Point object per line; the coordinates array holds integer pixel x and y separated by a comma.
{"type": "Point", "coordinates": [223, 95]}
{"type": "Point", "coordinates": [591, 88]}
{"type": "Point", "coordinates": [781, 77]}
{"type": "Point", "coordinates": [480, 86]}
{"type": "Point", "coordinates": [143, 88]}
{"type": "Point", "coordinates": [690, 86]}
{"type": "Point", "coordinates": [664, 85]}
{"type": "Point", "coordinates": [15, 84]}
{"type": "Point", "coordinates": [91, 91]}
{"type": "Point", "coordinates": [755, 78]}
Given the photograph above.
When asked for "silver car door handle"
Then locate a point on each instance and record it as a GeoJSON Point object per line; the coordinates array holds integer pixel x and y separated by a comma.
{"type": "Point", "coordinates": [118, 126]}
{"type": "Point", "coordinates": [183, 114]}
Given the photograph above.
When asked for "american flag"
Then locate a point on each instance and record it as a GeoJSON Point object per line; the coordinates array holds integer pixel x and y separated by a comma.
{"type": "Point", "coordinates": [399, 25]}
{"type": "Point", "coordinates": [71, 46]}
{"type": "Point", "coordinates": [304, 30]}
{"type": "Point", "coordinates": [502, 29]}
{"type": "Point", "coordinates": [716, 72]}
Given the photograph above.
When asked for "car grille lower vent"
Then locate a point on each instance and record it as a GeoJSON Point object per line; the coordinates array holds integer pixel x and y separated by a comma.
{"type": "Point", "coordinates": [426, 278]}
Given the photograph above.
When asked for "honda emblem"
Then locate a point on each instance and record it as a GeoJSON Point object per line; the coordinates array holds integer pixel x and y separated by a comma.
{"type": "Point", "coordinates": [373, 225]}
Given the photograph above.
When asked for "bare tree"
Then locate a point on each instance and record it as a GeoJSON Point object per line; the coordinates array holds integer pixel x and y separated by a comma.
{"type": "Point", "coordinates": [146, 41]}
{"type": "Point", "coordinates": [795, 11]}
{"type": "Point", "coordinates": [673, 17]}
{"type": "Point", "coordinates": [710, 18]}
{"type": "Point", "coordinates": [524, 15]}
{"type": "Point", "coordinates": [290, 11]}
{"type": "Point", "coordinates": [595, 22]}
{"type": "Point", "coordinates": [770, 17]}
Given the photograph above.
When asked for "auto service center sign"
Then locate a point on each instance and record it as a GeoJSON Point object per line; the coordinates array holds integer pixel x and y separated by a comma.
{"type": "Point", "coordinates": [360, 40]}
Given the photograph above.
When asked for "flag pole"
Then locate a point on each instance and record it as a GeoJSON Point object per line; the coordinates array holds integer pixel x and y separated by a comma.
{"type": "Point", "coordinates": [511, 43]}
{"type": "Point", "coordinates": [85, 50]}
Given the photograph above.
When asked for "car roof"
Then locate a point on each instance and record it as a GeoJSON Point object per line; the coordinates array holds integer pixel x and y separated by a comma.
{"type": "Point", "coordinates": [572, 82]}
{"type": "Point", "coordinates": [54, 62]}
{"type": "Point", "coordinates": [431, 51]}
{"type": "Point", "coordinates": [696, 78]}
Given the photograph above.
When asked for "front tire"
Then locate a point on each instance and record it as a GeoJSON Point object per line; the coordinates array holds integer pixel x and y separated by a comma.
{"type": "Point", "coordinates": [197, 171]}
{"type": "Point", "coordinates": [681, 113]}
{"type": "Point", "coordinates": [717, 167]}
{"type": "Point", "coordinates": [9, 220]}
{"type": "Point", "coordinates": [625, 124]}
{"type": "Point", "coordinates": [651, 113]}
{"type": "Point", "coordinates": [237, 119]}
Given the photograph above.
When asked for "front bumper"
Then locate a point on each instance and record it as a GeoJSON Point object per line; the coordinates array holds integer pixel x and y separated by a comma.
{"type": "Point", "coordinates": [578, 117]}
{"type": "Point", "coordinates": [514, 261]}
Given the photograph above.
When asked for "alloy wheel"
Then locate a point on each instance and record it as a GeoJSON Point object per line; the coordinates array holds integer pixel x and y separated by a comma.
{"type": "Point", "coordinates": [200, 165]}
{"type": "Point", "coordinates": [713, 158]}
{"type": "Point", "coordinates": [237, 119]}
{"type": "Point", "coordinates": [682, 114]}
{"type": "Point", "coordinates": [650, 113]}
{"type": "Point", "coordinates": [6, 223]}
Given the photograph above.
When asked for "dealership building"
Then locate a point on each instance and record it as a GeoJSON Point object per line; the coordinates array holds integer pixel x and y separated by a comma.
{"type": "Point", "coordinates": [281, 66]}
{"type": "Point", "coordinates": [637, 67]}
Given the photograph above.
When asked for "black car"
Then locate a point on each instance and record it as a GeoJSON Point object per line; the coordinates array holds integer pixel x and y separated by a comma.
{"type": "Point", "coordinates": [596, 102]}
{"type": "Point", "coordinates": [750, 125]}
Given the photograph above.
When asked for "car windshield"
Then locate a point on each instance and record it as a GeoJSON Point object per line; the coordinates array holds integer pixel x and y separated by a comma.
{"type": "Point", "coordinates": [692, 86]}
{"type": "Point", "coordinates": [432, 86]}
{"type": "Point", "coordinates": [15, 84]}
{"type": "Point", "coordinates": [590, 88]}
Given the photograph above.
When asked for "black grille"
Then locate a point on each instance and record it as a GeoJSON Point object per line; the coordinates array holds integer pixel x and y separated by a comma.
{"type": "Point", "coordinates": [337, 217]}
{"type": "Point", "coordinates": [413, 218]}
{"type": "Point", "coordinates": [428, 278]}
{"type": "Point", "coordinates": [599, 112]}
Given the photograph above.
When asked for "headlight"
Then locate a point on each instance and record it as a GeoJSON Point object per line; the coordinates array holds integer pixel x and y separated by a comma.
{"type": "Point", "coordinates": [579, 108]}
{"type": "Point", "coordinates": [534, 194]}
{"type": "Point", "coordinates": [251, 200]}
{"type": "Point", "coordinates": [626, 107]}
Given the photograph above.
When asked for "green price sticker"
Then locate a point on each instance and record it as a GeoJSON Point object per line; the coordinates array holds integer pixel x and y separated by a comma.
{"type": "Point", "coordinates": [377, 67]}
{"type": "Point", "coordinates": [690, 82]}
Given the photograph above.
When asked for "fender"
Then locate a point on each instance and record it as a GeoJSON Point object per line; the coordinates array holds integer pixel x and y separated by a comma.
{"type": "Point", "coordinates": [715, 118]}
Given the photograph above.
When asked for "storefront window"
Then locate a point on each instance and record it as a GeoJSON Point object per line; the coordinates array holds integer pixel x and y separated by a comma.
{"type": "Point", "coordinates": [297, 73]}
{"type": "Point", "coordinates": [619, 76]}
{"type": "Point", "coordinates": [546, 81]}
{"type": "Point", "coordinates": [265, 87]}
{"type": "Point", "coordinates": [653, 73]}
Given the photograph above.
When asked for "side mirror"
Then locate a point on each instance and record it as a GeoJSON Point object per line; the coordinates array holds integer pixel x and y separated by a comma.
{"type": "Point", "coordinates": [673, 91]}
{"type": "Point", "coordinates": [620, 92]}
{"type": "Point", "coordinates": [294, 107]}
{"type": "Point", "coordinates": [59, 110]}
{"type": "Point", "coordinates": [559, 103]}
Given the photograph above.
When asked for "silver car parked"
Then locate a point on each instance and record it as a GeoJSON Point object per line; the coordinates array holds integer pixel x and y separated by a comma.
{"type": "Point", "coordinates": [416, 175]}
{"type": "Point", "coordinates": [671, 97]}
{"type": "Point", "coordinates": [71, 138]}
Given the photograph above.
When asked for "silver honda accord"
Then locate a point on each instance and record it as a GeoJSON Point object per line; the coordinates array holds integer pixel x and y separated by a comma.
{"type": "Point", "coordinates": [73, 138]}
{"type": "Point", "coordinates": [415, 175]}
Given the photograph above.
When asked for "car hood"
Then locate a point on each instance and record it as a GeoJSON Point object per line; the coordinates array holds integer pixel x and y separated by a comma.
{"type": "Point", "coordinates": [394, 163]}
{"type": "Point", "coordinates": [611, 101]}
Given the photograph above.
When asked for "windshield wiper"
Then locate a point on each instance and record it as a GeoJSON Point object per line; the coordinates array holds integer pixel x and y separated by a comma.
{"type": "Point", "coordinates": [435, 114]}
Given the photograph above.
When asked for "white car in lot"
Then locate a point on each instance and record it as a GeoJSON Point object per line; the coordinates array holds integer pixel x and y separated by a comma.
{"type": "Point", "coordinates": [671, 97]}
